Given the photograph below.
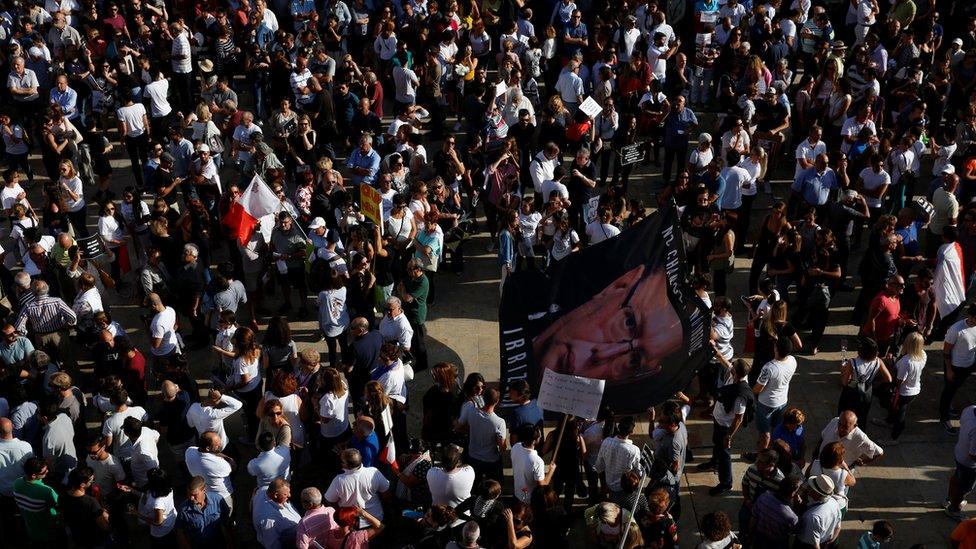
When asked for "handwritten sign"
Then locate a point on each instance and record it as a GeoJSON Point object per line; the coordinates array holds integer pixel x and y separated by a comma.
{"type": "Point", "coordinates": [631, 154]}
{"type": "Point", "coordinates": [573, 395]}
{"type": "Point", "coordinates": [591, 208]}
{"type": "Point", "coordinates": [372, 204]}
{"type": "Point", "coordinates": [590, 107]}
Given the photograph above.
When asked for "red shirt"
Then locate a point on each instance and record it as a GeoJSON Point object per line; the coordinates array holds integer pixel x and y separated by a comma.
{"type": "Point", "coordinates": [888, 313]}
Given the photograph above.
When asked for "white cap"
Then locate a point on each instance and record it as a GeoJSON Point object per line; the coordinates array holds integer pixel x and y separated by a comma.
{"type": "Point", "coordinates": [204, 148]}
{"type": "Point", "coordinates": [316, 223]}
{"type": "Point", "coordinates": [949, 169]}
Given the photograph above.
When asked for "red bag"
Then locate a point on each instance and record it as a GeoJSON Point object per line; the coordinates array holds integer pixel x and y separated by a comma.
{"type": "Point", "coordinates": [750, 345]}
{"type": "Point", "coordinates": [124, 264]}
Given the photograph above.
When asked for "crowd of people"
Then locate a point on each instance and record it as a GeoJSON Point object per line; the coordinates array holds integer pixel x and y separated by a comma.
{"type": "Point", "coordinates": [522, 119]}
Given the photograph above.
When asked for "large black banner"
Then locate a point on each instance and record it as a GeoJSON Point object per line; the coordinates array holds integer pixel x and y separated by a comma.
{"type": "Point", "coordinates": [621, 311]}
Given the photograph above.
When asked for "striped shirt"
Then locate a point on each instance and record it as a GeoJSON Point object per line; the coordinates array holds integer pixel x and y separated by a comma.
{"type": "Point", "coordinates": [38, 503]}
{"type": "Point", "coordinates": [315, 526]}
{"type": "Point", "coordinates": [45, 315]}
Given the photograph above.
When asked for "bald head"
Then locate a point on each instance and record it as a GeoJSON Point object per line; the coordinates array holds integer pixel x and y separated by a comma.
{"type": "Point", "coordinates": [154, 302]}
{"type": "Point", "coordinates": [210, 441]}
{"type": "Point", "coordinates": [169, 390]}
{"type": "Point", "coordinates": [6, 429]}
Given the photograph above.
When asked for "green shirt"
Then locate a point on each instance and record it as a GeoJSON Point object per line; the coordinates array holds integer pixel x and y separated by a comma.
{"type": "Point", "coordinates": [38, 503]}
{"type": "Point", "coordinates": [416, 310]}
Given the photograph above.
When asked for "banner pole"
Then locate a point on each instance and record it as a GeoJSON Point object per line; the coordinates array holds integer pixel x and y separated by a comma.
{"type": "Point", "coordinates": [559, 438]}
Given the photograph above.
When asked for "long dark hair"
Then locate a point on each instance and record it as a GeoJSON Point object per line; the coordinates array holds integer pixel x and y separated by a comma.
{"type": "Point", "coordinates": [278, 333]}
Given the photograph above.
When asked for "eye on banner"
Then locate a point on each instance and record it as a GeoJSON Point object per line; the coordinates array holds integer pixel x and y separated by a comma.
{"type": "Point", "coordinates": [621, 311]}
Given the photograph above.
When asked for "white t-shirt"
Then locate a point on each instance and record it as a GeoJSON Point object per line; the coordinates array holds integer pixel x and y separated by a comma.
{"type": "Point", "coordinates": [75, 185]}
{"type": "Point", "coordinates": [962, 337]}
{"type": "Point", "coordinates": [121, 446]}
{"type": "Point", "coordinates": [148, 506]}
{"type": "Point", "coordinates": [242, 367]}
{"type": "Point", "coordinates": [552, 185]}
{"type": "Point", "coordinates": [809, 152]}
{"type": "Point", "coordinates": [132, 116]}
{"type": "Point", "coordinates": [819, 523]}
{"type": "Point", "coordinates": [597, 232]}
{"type": "Point", "coordinates": [210, 418]}
{"type": "Point", "coordinates": [145, 455]}
{"type": "Point", "coordinates": [450, 488]}
{"type": "Point", "coordinates": [163, 326]}
{"type": "Point", "coordinates": [157, 92]}
{"type": "Point", "coordinates": [856, 443]}
{"type": "Point", "coordinates": [267, 466]}
{"type": "Point", "coordinates": [528, 469]}
{"type": "Point", "coordinates": [215, 469]}
{"type": "Point", "coordinates": [394, 383]}
{"type": "Point", "coordinates": [336, 410]}
{"type": "Point", "coordinates": [563, 242]}
{"type": "Point", "coordinates": [872, 180]}
{"type": "Point", "coordinates": [775, 379]}
{"type": "Point", "coordinates": [910, 375]}
{"type": "Point", "coordinates": [8, 195]}
{"type": "Point", "coordinates": [359, 488]}
{"type": "Point", "coordinates": [243, 135]}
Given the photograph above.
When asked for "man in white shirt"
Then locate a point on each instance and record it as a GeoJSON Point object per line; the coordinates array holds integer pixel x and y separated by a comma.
{"type": "Point", "coordinates": [208, 462]}
{"type": "Point", "coordinates": [570, 87]}
{"type": "Point", "coordinates": [406, 82]}
{"type": "Point", "coordinates": [556, 185]}
{"type": "Point", "coordinates": [163, 340]}
{"type": "Point", "coordinates": [853, 126]}
{"type": "Point", "coordinates": [358, 486]}
{"type": "Point", "coordinates": [618, 455]}
{"type": "Point", "coordinates": [528, 469]}
{"type": "Point", "coordinates": [209, 414]}
{"type": "Point", "coordinates": [809, 150]}
{"type": "Point", "coordinates": [134, 128]}
{"type": "Point", "coordinates": [159, 107]}
{"type": "Point", "coordinates": [451, 483]}
{"type": "Point", "coordinates": [858, 448]}
{"type": "Point", "coordinates": [772, 390]}
{"type": "Point", "coordinates": [275, 519]}
{"type": "Point", "coordinates": [959, 346]}
{"type": "Point", "coordinates": [112, 433]}
{"type": "Point", "coordinates": [145, 451]}
{"type": "Point", "coordinates": [243, 144]}
{"type": "Point", "coordinates": [182, 63]}
{"type": "Point", "coordinates": [820, 525]}
{"type": "Point", "coordinates": [542, 168]}
{"type": "Point", "coordinates": [964, 479]}
{"type": "Point", "coordinates": [601, 229]}
{"type": "Point", "coordinates": [394, 326]}
{"type": "Point", "coordinates": [271, 463]}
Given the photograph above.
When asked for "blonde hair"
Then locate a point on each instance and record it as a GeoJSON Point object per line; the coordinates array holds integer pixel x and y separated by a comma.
{"type": "Point", "coordinates": [203, 113]}
{"type": "Point", "coordinates": [763, 160]}
{"type": "Point", "coordinates": [775, 318]}
{"type": "Point", "coordinates": [72, 172]}
{"type": "Point", "coordinates": [914, 346]}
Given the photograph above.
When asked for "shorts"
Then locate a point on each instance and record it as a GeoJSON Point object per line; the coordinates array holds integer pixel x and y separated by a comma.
{"type": "Point", "coordinates": [965, 477]}
{"type": "Point", "coordinates": [768, 417]}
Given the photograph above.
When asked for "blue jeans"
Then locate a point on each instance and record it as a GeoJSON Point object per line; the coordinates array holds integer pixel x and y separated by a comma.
{"type": "Point", "coordinates": [701, 85]}
{"type": "Point", "coordinates": [767, 418]}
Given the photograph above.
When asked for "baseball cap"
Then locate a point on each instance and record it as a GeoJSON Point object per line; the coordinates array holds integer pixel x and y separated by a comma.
{"type": "Point", "coordinates": [317, 223]}
{"type": "Point", "coordinates": [704, 138]}
{"type": "Point", "coordinates": [949, 169]}
{"type": "Point", "coordinates": [957, 41]}
{"type": "Point", "coordinates": [204, 148]}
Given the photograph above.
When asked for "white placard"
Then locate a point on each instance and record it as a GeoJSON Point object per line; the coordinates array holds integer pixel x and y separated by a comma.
{"type": "Point", "coordinates": [592, 206]}
{"type": "Point", "coordinates": [573, 395]}
{"type": "Point", "coordinates": [500, 89]}
{"type": "Point", "coordinates": [590, 107]}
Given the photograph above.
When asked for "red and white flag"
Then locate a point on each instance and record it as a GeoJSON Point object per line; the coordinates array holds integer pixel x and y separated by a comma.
{"type": "Point", "coordinates": [950, 278]}
{"type": "Point", "coordinates": [255, 202]}
{"type": "Point", "coordinates": [388, 451]}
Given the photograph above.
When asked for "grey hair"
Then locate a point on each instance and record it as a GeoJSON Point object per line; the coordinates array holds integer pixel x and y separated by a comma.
{"type": "Point", "coordinates": [394, 301]}
{"type": "Point", "coordinates": [192, 249]}
{"type": "Point", "coordinates": [470, 533]}
{"type": "Point", "coordinates": [312, 497]}
{"type": "Point", "coordinates": [22, 280]}
{"type": "Point", "coordinates": [41, 288]}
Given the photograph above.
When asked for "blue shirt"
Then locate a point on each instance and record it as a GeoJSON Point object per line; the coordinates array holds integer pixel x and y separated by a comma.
{"type": "Point", "coordinates": [301, 7]}
{"type": "Point", "coordinates": [67, 100]}
{"type": "Point", "coordinates": [506, 249]}
{"type": "Point", "coordinates": [677, 126]}
{"type": "Point", "coordinates": [369, 448]}
{"type": "Point", "coordinates": [370, 161]}
{"type": "Point", "coordinates": [526, 414]}
{"type": "Point", "coordinates": [715, 185]}
{"type": "Point", "coordinates": [19, 350]}
{"type": "Point", "coordinates": [815, 187]}
{"type": "Point", "coordinates": [203, 527]}
{"type": "Point", "coordinates": [579, 31]}
{"type": "Point", "coordinates": [909, 239]}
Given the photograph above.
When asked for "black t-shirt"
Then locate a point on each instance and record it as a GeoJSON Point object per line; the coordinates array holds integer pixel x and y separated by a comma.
{"type": "Point", "coordinates": [444, 408]}
{"type": "Point", "coordinates": [579, 192]}
{"type": "Point", "coordinates": [163, 179]}
{"type": "Point", "coordinates": [80, 514]}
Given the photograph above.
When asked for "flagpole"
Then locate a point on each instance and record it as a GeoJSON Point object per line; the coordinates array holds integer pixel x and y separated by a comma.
{"type": "Point", "coordinates": [559, 438]}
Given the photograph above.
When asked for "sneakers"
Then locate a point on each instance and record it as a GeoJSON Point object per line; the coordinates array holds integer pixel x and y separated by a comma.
{"type": "Point", "coordinates": [705, 466]}
{"type": "Point", "coordinates": [954, 514]}
{"type": "Point", "coordinates": [949, 429]}
{"type": "Point", "coordinates": [719, 490]}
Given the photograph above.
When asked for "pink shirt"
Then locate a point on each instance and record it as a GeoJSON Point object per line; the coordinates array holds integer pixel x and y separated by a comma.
{"type": "Point", "coordinates": [357, 539]}
{"type": "Point", "coordinates": [316, 525]}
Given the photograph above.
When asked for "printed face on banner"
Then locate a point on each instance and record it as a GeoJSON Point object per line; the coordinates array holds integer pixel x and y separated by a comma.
{"type": "Point", "coordinates": [622, 333]}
